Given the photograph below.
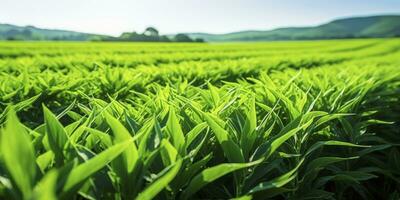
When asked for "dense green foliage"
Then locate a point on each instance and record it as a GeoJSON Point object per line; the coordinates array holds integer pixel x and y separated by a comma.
{"type": "Point", "coordinates": [293, 120]}
{"type": "Point", "coordinates": [356, 27]}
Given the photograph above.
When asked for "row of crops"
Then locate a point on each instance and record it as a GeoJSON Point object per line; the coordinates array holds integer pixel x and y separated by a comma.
{"type": "Point", "coordinates": [279, 120]}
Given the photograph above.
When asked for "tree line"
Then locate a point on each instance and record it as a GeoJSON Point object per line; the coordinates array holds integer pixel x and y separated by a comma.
{"type": "Point", "coordinates": [150, 34]}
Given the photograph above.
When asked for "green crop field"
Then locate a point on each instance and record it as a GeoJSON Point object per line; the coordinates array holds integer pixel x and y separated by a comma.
{"type": "Point", "coordinates": [280, 120]}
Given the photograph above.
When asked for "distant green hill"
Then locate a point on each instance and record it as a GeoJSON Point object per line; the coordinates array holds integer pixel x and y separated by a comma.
{"type": "Point", "coordinates": [12, 32]}
{"type": "Point", "coordinates": [357, 27]}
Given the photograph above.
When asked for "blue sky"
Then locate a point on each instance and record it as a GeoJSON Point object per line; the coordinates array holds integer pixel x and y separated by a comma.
{"type": "Point", "coordinates": [171, 16]}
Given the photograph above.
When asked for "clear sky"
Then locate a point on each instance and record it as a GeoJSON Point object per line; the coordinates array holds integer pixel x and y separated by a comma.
{"type": "Point", "coordinates": [171, 16]}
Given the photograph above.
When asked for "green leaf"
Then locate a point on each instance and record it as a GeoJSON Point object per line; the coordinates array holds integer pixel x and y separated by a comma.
{"type": "Point", "coordinates": [214, 94]}
{"type": "Point", "coordinates": [213, 173]}
{"type": "Point", "coordinates": [320, 144]}
{"type": "Point", "coordinates": [131, 155]}
{"type": "Point", "coordinates": [278, 181]}
{"type": "Point", "coordinates": [322, 122]}
{"type": "Point", "coordinates": [18, 155]}
{"type": "Point", "coordinates": [82, 172]}
{"type": "Point", "coordinates": [150, 137]}
{"type": "Point", "coordinates": [121, 134]}
{"type": "Point", "coordinates": [161, 183]}
{"type": "Point", "coordinates": [44, 160]}
{"type": "Point", "coordinates": [230, 148]}
{"type": "Point", "coordinates": [190, 170]}
{"type": "Point", "coordinates": [350, 177]}
{"type": "Point", "coordinates": [249, 135]}
{"type": "Point", "coordinates": [46, 188]}
{"type": "Point", "coordinates": [103, 137]}
{"type": "Point", "coordinates": [56, 136]}
{"type": "Point", "coordinates": [168, 153]}
{"type": "Point", "coordinates": [269, 147]}
{"type": "Point", "coordinates": [174, 129]}
{"type": "Point", "coordinates": [19, 106]}
{"type": "Point", "coordinates": [324, 161]}
{"type": "Point", "coordinates": [318, 164]}
{"type": "Point", "coordinates": [245, 197]}
{"type": "Point", "coordinates": [192, 135]}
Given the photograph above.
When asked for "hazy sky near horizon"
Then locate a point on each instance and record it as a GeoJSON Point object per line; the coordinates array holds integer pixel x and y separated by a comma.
{"type": "Point", "coordinates": [172, 16]}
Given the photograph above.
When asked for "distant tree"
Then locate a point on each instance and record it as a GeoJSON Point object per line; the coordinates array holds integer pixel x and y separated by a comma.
{"type": "Point", "coordinates": [10, 38]}
{"type": "Point", "coordinates": [199, 40]}
{"type": "Point", "coordinates": [37, 36]}
{"type": "Point", "coordinates": [27, 33]}
{"type": "Point", "coordinates": [164, 38]}
{"type": "Point", "coordinates": [150, 35]}
{"type": "Point", "coordinates": [151, 31]}
{"type": "Point", "coordinates": [182, 38]}
{"type": "Point", "coordinates": [125, 35]}
{"type": "Point", "coordinates": [95, 38]}
{"type": "Point", "coordinates": [12, 33]}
